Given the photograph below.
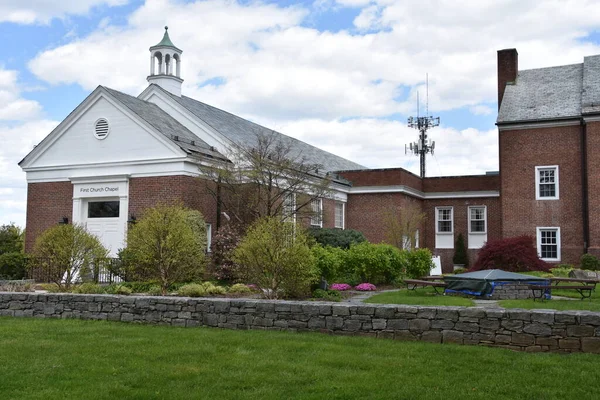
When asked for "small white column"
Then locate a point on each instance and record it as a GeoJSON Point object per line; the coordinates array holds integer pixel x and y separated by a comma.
{"type": "Point", "coordinates": [151, 64]}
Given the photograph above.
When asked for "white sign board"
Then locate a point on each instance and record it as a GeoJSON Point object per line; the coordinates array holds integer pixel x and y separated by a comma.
{"type": "Point", "coordinates": [437, 266]}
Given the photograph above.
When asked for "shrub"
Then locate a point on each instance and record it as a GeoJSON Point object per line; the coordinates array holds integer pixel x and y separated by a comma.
{"type": "Point", "coordinates": [378, 263]}
{"type": "Point", "coordinates": [327, 295]}
{"type": "Point", "coordinates": [240, 288]}
{"type": "Point", "coordinates": [419, 263]}
{"type": "Point", "coordinates": [154, 290]}
{"type": "Point", "coordinates": [340, 287]}
{"type": "Point", "coordinates": [11, 239]}
{"type": "Point", "coordinates": [12, 266]}
{"type": "Point", "coordinates": [68, 252]}
{"type": "Point", "coordinates": [336, 237]}
{"type": "Point", "coordinates": [328, 261]}
{"type": "Point", "coordinates": [140, 287]}
{"type": "Point", "coordinates": [50, 287]}
{"type": "Point", "coordinates": [589, 262]}
{"type": "Point", "coordinates": [460, 251]}
{"type": "Point", "coordinates": [516, 254]}
{"type": "Point", "coordinates": [200, 289]}
{"type": "Point", "coordinates": [166, 244]}
{"type": "Point", "coordinates": [562, 270]}
{"type": "Point", "coordinates": [223, 244]}
{"type": "Point", "coordinates": [275, 256]}
{"type": "Point", "coordinates": [88, 288]}
{"type": "Point", "coordinates": [123, 290]}
{"type": "Point", "coordinates": [365, 287]}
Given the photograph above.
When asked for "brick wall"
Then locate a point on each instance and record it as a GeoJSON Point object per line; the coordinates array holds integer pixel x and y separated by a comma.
{"type": "Point", "coordinates": [383, 177]}
{"type": "Point", "coordinates": [47, 203]}
{"type": "Point", "coordinates": [520, 152]}
{"type": "Point", "coordinates": [516, 329]}
{"type": "Point", "coordinates": [461, 221]}
{"type": "Point", "coordinates": [593, 166]}
{"type": "Point", "coordinates": [461, 183]}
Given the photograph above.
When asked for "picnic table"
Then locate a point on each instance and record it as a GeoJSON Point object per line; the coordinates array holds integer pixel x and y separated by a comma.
{"type": "Point", "coordinates": [432, 278]}
{"type": "Point", "coordinates": [412, 284]}
{"type": "Point", "coordinates": [585, 287]}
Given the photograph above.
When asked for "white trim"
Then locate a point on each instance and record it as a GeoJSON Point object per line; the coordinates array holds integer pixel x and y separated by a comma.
{"type": "Point", "coordinates": [421, 195]}
{"type": "Point", "coordinates": [539, 241]}
{"type": "Point", "coordinates": [534, 125]}
{"type": "Point", "coordinates": [484, 220]}
{"type": "Point", "coordinates": [537, 182]}
{"type": "Point", "coordinates": [437, 210]}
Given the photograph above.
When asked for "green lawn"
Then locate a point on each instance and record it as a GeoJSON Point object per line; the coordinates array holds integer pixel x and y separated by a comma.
{"type": "Point", "coordinates": [422, 296]}
{"type": "Point", "coordinates": [556, 304]}
{"type": "Point", "coordinates": [70, 359]}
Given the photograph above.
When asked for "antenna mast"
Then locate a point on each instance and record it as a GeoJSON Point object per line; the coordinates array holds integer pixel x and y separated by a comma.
{"type": "Point", "coordinates": [423, 145]}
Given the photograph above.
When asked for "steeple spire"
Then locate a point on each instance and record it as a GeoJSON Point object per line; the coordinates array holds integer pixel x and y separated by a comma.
{"type": "Point", "coordinates": [165, 65]}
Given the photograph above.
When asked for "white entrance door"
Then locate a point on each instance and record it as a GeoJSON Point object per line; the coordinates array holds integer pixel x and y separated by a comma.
{"type": "Point", "coordinates": [103, 221]}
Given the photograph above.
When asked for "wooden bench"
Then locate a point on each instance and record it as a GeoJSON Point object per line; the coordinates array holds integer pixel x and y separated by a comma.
{"type": "Point", "coordinates": [439, 278]}
{"type": "Point", "coordinates": [540, 291]}
{"type": "Point", "coordinates": [412, 284]}
{"type": "Point", "coordinates": [559, 280]}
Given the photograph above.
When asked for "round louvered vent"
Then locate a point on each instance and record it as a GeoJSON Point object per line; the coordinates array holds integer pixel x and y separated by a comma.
{"type": "Point", "coordinates": [101, 129]}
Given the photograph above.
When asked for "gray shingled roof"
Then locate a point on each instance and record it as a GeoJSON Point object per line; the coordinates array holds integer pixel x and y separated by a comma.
{"type": "Point", "coordinates": [165, 124]}
{"type": "Point", "coordinates": [590, 97]}
{"type": "Point", "coordinates": [244, 133]}
{"type": "Point", "coordinates": [546, 93]}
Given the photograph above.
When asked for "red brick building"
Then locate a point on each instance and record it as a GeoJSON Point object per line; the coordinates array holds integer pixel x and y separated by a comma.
{"type": "Point", "coordinates": [116, 155]}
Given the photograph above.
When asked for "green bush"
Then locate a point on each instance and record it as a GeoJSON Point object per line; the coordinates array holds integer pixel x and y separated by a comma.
{"type": "Point", "coordinates": [327, 295]}
{"type": "Point", "coordinates": [419, 263]}
{"type": "Point", "coordinates": [12, 266]}
{"type": "Point", "coordinates": [118, 289]}
{"type": "Point", "coordinates": [275, 256]}
{"type": "Point", "coordinates": [590, 262]}
{"type": "Point", "coordinates": [562, 270]}
{"type": "Point", "coordinates": [374, 263]}
{"type": "Point", "coordinates": [328, 261]}
{"type": "Point", "coordinates": [154, 290]}
{"type": "Point", "coordinates": [335, 237]}
{"type": "Point", "coordinates": [200, 289]}
{"type": "Point", "coordinates": [168, 245]}
{"type": "Point", "coordinates": [88, 288]}
{"type": "Point", "coordinates": [239, 288]}
{"type": "Point", "coordinates": [50, 287]}
{"type": "Point", "coordinates": [140, 287]}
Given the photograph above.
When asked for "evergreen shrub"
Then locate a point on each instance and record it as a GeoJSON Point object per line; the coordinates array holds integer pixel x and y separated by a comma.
{"type": "Point", "coordinates": [336, 237]}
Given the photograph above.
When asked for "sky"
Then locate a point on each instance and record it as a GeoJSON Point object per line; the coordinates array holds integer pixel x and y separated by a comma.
{"type": "Point", "coordinates": [343, 75]}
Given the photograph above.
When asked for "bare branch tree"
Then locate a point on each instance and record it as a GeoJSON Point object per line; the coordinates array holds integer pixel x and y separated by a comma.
{"type": "Point", "coordinates": [266, 180]}
{"type": "Point", "coordinates": [401, 225]}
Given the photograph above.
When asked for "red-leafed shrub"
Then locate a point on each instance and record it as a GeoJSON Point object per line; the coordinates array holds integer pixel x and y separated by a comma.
{"type": "Point", "coordinates": [516, 254]}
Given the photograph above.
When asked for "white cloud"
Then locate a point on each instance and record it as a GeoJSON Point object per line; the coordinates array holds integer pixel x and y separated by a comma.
{"type": "Point", "coordinates": [12, 106]}
{"type": "Point", "coordinates": [43, 11]}
{"type": "Point", "coordinates": [17, 141]}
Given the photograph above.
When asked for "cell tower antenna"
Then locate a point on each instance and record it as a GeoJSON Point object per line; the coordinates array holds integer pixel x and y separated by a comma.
{"type": "Point", "coordinates": [422, 124]}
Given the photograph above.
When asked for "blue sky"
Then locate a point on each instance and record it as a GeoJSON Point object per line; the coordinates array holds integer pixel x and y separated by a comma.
{"type": "Point", "coordinates": [340, 74]}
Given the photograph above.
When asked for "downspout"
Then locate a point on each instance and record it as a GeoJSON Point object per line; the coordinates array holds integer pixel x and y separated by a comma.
{"type": "Point", "coordinates": [218, 203]}
{"type": "Point", "coordinates": [584, 188]}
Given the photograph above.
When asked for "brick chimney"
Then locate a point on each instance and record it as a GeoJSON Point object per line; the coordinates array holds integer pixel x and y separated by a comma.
{"type": "Point", "coordinates": [508, 67]}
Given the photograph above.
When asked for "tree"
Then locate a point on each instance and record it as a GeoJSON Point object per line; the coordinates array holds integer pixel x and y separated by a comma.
{"type": "Point", "coordinates": [223, 244]}
{"type": "Point", "coordinates": [67, 252]}
{"type": "Point", "coordinates": [336, 237]}
{"type": "Point", "coordinates": [11, 239]}
{"type": "Point", "coordinates": [167, 244]}
{"type": "Point", "coordinates": [269, 179]}
{"type": "Point", "coordinates": [516, 254]}
{"type": "Point", "coordinates": [12, 259]}
{"type": "Point", "coordinates": [275, 256]}
{"type": "Point", "coordinates": [460, 252]}
{"type": "Point", "coordinates": [401, 225]}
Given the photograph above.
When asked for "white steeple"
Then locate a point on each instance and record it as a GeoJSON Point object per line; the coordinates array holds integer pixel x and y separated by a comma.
{"type": "Point", "coordinates": [165, 65]}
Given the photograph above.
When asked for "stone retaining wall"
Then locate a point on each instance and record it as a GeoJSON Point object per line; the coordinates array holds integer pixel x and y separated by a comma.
{"type": "Point", "coordinates": [528, 330]}
{"type": "Point", "coordinates": [511, 291]}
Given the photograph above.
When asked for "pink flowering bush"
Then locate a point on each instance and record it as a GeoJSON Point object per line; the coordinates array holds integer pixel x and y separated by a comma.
{"type": "Point", "coordinates": [365, 287]}
{"type": "Point", "coordinates": [340, 286]}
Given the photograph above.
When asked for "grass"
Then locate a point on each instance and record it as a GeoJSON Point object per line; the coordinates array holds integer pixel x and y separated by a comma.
{"type": "Point", "coordinates": [71, 359]}
{"type": "Point", "coordinates": [421, 296]}
{"type": "Point", "coordinates": [558, 304]}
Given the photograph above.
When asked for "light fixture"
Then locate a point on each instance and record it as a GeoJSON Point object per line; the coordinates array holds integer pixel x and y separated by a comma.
{"type": "Point", "coordinates": [63, 221]}
{"type": "Point", "coordinates": [131, 219]}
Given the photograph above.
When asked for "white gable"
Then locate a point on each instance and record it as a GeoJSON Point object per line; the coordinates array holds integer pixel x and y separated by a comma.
{"type": "Point", "coordinates": [128, 140]}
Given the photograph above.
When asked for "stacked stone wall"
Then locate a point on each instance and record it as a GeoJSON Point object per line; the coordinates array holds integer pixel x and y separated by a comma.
{"type": "Point", "coordinates": [526, 330]}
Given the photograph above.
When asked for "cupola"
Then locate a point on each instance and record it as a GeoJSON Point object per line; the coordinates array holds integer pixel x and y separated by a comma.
{"type": "Point", "coordinates": [165, 65]}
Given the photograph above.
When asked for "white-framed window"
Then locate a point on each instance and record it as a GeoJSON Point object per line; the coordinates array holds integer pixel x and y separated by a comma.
{"type": "Point", "coordinates": [444, 217]}
{"type": "Point", "coordinates": [444, 228]}
{"type": "Point", "coordinates": [340, 209]}
{"type": "Point", "coordinates": [477, 219]}
{"type": "Point", "coordinates": [316, 219]}
{"type": "Point", "coordinates": [548, 243]}
{"type": "Point", "coordinates": [289, 208]}
{"type": "Point", "coordinates": [208, 237]}
{"type": "Point", "coordinates": [546, 182]}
